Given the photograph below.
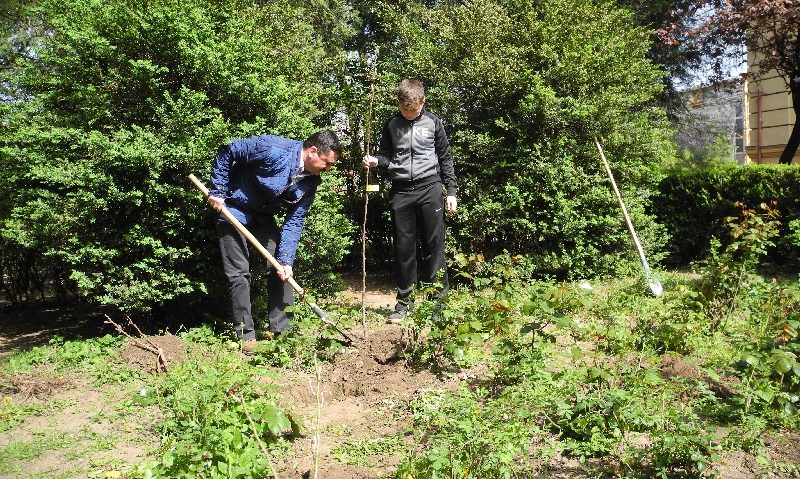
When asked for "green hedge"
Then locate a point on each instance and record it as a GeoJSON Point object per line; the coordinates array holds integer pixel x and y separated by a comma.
{"type": "Point", "coordinates": [523, 88]}
{"type": "Point", "coordinates": [693, 203]}
{"type": "Point", "coordinates": [117, 103]}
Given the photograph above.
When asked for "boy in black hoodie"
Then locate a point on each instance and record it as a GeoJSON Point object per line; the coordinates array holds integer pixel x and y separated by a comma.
{"type": "Point", "coordinates": [414, 150]}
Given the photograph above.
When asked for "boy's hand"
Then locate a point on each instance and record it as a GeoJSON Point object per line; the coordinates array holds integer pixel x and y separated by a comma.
{"type": "Point", "coordinates": [370, 161]}
{"type": "Point", "coordinates": [452, 204]}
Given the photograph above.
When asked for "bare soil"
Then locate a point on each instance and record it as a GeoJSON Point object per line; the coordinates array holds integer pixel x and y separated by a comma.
{"type": "Point", "coordinates": [675, 367]}
{"type": "Point", "coordinates": [153, 353]}
{"type": "Point", "coordinates": [77, 429]}
{"type": "Point", "coordinates": [360, 397]}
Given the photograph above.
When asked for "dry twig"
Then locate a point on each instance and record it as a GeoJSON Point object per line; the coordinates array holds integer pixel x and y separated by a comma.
{"type": "Point", "coordinates": [320, 395]}
{"type": "Point", "coordinates": [143, 342]}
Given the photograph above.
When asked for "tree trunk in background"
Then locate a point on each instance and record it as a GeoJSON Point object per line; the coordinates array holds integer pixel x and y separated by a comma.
{"type": "Point", "coordinates": [794, 138]}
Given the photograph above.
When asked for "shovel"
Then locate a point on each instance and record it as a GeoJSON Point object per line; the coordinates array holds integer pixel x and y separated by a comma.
{"type": "Point", "coordinates": [652, 280]}
{"type": "Point", "coordinates": [239, 226]}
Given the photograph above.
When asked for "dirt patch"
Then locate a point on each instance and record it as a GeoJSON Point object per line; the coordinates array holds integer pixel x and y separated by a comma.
{"type": "Point", "coordinates": [143, 352]}
{"type": "Point", "coordinates": [380, 296]}
{"type": "Point", "coordinates": [675, 367]}
{"type": "Point", "coordinates": [79, 429]}
{"type": "Point", "coordinates": [784, 447]}
{"type": "Point", "coordinates": [735, 465]}
{"type": "Point", "coordinates": [364, 394]}
{"type": "Point", "coordinates": [376, 368]}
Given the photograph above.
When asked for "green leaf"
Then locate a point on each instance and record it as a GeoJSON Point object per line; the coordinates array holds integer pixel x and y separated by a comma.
{"type": "Point", "coordinates": [276, 420]}
{"type": "Point", "coordinates": [576, 353]}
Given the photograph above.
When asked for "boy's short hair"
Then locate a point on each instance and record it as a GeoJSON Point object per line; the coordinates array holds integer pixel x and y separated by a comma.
{"type": "Point", "coordinates": [410, 92]}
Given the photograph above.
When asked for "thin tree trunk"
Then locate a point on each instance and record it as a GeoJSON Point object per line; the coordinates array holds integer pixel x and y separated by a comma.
{"type": "Point", "coordinates": [794, 138]}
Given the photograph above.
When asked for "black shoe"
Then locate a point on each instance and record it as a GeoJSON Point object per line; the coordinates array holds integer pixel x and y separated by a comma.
{"type": "Point", "coordinates": [397, 317]}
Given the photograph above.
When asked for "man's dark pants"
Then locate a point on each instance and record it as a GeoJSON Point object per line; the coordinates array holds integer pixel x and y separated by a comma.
{"type": "Point", "coordinates": [418, 210]}
{"type": "Point", "coordinates": [236, 264]}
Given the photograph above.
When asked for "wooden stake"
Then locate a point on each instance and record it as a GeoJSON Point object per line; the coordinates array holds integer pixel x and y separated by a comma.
{"type": "Point", "coordinates": [367, 132]}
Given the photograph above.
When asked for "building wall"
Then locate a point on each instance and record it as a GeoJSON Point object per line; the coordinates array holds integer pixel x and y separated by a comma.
{"type": "Point", "coordinates": [770, 117]}
{"type": "Point", "coordinates": [712, 115]}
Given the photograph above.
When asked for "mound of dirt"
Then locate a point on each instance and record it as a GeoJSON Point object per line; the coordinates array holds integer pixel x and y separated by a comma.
{"type": "Point", "coordinates": [376, 367]}
{"type": "Point", "coordinates": [676, 367]}
{"type": "Point", "coordinates": [142, 353]}
{"type": "Point", "coordinates": [364, 390]}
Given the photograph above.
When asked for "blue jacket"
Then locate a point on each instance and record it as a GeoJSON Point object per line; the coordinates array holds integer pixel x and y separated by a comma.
{"type": "Point", "coordinates": [254, 176]}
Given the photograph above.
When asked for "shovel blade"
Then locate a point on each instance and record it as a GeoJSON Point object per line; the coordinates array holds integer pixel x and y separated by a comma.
{"type": "Point", "coordinates": [656, 288]}
{"type": "Point", "coordinates": [327, 320]}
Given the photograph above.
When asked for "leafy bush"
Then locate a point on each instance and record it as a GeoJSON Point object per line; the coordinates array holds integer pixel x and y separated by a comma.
{"type": "Point", "coordinates": [219, 420]}
{"type": "Point", "coordinates": [117, 104]}
{"type": "Point", "coordinates": [729, 276]}
{"type": "Point", "coordinates": [523, 88]}
{"type": "Point", "coordinates": [769, 366]}
{"type": "Point", "coordinates": [327, 236]}
{"type": "Point", "coordinates": [692, 204]}
{"type": "Point", "coordinates": [467, 437]}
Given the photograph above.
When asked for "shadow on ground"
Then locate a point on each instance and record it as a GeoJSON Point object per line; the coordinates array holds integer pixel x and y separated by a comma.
{"type": "Point", "coordinates": [35, 324]}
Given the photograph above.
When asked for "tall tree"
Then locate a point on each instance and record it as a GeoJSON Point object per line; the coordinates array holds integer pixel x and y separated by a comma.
{"type": "Point", "coordinates": [679, 58]}
{"type": "Point", "coordinates": [770, 29]}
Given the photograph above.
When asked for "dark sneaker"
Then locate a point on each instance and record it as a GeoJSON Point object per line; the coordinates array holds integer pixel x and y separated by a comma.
{"type": "Point", "coordinates": [397, 317]}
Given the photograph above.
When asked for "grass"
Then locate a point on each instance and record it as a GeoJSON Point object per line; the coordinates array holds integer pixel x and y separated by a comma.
{"type": "Point", "coordinates": [25, 450]}
{"type": "Point", "coordinates": [571, 374]}
{"type": "Point", "coordinates": [361, 451]}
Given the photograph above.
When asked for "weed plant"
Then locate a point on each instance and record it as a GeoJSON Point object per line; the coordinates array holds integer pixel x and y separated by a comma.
{"type": "Point", "coordinates": [220, 420]}
{"type": "Point", "coordinates": [96, 356]}
{"type": "Point", "coordinates": [361, 451]}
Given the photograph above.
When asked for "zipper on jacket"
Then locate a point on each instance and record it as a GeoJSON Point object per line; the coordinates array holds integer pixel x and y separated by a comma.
{"type": "Point", "coordinates": [411, 151]}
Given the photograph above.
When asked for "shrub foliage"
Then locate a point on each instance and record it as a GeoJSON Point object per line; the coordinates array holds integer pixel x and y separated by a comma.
{"type": "Point", "coordinates": [693, 204]}
{"type": "Point", "coordinates": [116, 104]}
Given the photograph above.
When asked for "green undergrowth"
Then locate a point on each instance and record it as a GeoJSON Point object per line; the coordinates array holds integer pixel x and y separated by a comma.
{"type": "Point", "coordinates": [591, 378]}
{"type": "Point", "coordinates": [655, 387]}
{"type": "Point", "coordinates": [220, 419]}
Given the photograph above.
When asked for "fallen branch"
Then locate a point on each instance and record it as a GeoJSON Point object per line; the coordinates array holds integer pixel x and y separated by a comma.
{"type": "Point", "coordinates": [144, 343]}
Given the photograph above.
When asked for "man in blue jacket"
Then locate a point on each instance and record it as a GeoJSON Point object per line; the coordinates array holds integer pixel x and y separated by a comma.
{"type": "Point", "coordinates": [255, 178]}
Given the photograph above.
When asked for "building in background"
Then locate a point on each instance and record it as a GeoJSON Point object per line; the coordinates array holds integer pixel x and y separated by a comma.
{"type": "Point", "coordinates": [713, 123]}
{"type": "Point", "coordinates": [770, 116]}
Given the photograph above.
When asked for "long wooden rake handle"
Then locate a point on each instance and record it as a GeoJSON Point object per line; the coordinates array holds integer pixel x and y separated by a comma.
{"type": "Point", "coordinates": [278, 267]}
{"type": "Point", "coordinates": [653, 283]}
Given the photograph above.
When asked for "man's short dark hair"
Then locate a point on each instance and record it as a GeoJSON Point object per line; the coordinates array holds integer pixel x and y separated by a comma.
{"type": "Point", "coordinates": [325, 141]}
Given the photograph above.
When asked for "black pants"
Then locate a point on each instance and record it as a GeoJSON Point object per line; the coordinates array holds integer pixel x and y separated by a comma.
{"type": "Point", "coordinates": [418, 212]}
{"type": "Point", "coordinates": [236, 264]}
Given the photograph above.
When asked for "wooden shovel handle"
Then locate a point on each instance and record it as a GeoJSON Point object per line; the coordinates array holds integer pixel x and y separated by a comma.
{"type": "Point", "coordinates": [241, 228]}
